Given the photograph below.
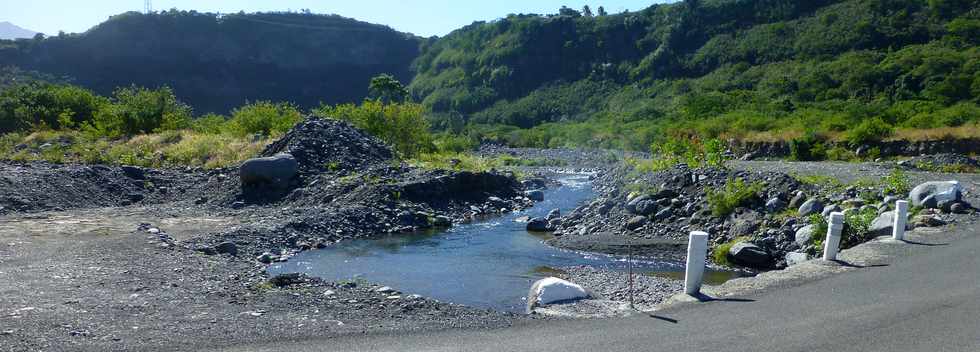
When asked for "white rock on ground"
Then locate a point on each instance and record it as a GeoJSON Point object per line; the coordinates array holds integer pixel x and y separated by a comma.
{"type": "Point", "coordinates": [942, 190]}
{"type": "Point", "coordinates": [552, 289]}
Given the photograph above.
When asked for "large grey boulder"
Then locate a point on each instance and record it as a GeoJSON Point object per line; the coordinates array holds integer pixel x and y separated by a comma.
{"type": "Point", "coordinates": [750, 255]}
{"type": "Point", "coordinates": [275, 171]}
{"type": "Point", "coordinates": [812, 206]}
{"type": "Point", "coordinates": [939, 190]}
{"type": "Point", "coordinates": [554, 290]}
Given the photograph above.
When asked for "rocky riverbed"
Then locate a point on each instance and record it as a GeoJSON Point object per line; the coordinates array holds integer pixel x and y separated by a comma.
{"type": "Point", "coordinates": [99, 257]}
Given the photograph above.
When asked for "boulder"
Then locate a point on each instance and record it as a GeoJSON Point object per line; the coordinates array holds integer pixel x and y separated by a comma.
{"type": "Point", "coordinates": [750, 255]}
{"type": "Point", "coordinates": [830, 209]}
{"type": "Point", "coordinates": [940, 190]}
{"type": "Point", "coordinates": [794, 258]}
{"type": "Point", "coordinates": [797, 200]}
{"type": "Point", "coordinates": [804, 235]}
{"type": "Point", "coordinates": [775, 205]}
{"type": "Point", "coordinates": [553, 214]}
{"type": "Point", "coordinates": [884, 224]}
{"type": "Point", "coordinates": [744, 226]}
{"type": "Point", "coordinates": [275, 171]}
{"type": "Point", "coordinates": [636, 222]}
{"type": "Point", "coordinates": [812, 206]}
{"type": "Point", "coordinates": [929, 202]}
{"type": "Point", "coordinates": [539, 225]}
{"type": "Point", "coordinates": [645, 207]}
{"type": "Point", "coordinates": [633, 201]}
{"type": "Point", "coordinates": [535, 195]}
{"type": "Point", "coordinates": [551, 290]}
{"type": "Point", "coordinates": [663, 214]}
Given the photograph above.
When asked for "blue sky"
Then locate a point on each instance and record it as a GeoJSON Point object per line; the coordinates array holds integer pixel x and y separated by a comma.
{"type": "Point", "coordinates": [421, 17]}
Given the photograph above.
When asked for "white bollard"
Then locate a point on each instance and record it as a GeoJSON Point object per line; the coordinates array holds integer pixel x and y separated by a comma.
{"type": "Point", "coordinates": [832, 243]}
{"type": "Point", "coordinates": [901, 217]}
{"type": "Point", "coordinates": [697, 252]}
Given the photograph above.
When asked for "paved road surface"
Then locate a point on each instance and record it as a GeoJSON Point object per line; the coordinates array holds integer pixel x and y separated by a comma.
{"type": "Point", "coordinates": [926, 298]}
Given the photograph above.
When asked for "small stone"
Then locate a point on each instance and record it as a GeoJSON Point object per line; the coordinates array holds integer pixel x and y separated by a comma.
{"type": "Point", "coordinates": [663, 214]}
{"type": "Point", "coordinates": [384, 289]}
{"type": "Point", "coordinates": [833, 208]}
{"type": "Point", "coordinates": [959, 208]}
{"type": "Point", "coordinates": [794, 258]}
{"type": "Point", "coordinates": [797, 200]}
{"type": "Point", "coordinates": [636, 222]}
{"type": "Point", "coordinates": [329, 293]}
{"type": "Point", "coordinates": [535, 195]}
{"type": "Point", "coordinates": [553, 214]}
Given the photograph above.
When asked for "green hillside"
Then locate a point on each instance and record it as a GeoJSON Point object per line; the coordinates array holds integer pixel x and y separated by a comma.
{"type": "Point", "coordinates": [217, 62]}
{"type": "Point", "coordinates": [855, 70]}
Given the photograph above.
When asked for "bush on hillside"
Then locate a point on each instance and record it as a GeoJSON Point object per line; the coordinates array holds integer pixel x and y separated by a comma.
{"type": "Point", "coordinates": [401, 125]}
{"type": "Point", "coordinates": [261, 118]}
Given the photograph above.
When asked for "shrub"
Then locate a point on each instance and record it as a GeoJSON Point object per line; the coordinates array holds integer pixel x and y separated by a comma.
{"type": "Point", "coordinates": [210, 124]}
{"type": "Point", "coordinates": [897, 182]}
{"type": "Point", "coordinates": [136, 110]}
{"type": "Point", "coordinates": [735, 194]}
{"type": "Point", "coordinates": [689, 150]}
{"type": "Point", "coordinates": [856, 226]}
{"type": "Point", "coordinates": [264, 118]}
{"type": "Point", "coordinates": [869, 131]}
{"type": "Point", "coordinates": [807, 148]}
{"type": "Point", "coordinates": [401, 125]}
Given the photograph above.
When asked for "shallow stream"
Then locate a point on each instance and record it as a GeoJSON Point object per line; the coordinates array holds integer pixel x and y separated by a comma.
{"type": "Point", "coordinates": [486, 264]}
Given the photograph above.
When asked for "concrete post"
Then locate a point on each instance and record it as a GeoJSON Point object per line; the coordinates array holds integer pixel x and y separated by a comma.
{"type": "Point", "coordinates": [832, 244]}
{"type": "Point", "coordinates": [901, 217]}
{"type": "Point", "coordinates": [697, 252]}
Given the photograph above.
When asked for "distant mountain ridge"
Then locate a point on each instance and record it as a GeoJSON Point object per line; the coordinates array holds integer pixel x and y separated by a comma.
{"type": "Point", "coordinates": [218, 62]}
{"type": "Point", "coordinates": [12, 31]}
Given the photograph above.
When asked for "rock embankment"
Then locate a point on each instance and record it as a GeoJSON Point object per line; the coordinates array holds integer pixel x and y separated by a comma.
{"type": "Point", "coordinates": [772, 226]}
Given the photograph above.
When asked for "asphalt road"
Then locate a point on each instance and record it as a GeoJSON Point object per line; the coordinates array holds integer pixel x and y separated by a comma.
{"type": "Point", "coordinates": [923, 297]}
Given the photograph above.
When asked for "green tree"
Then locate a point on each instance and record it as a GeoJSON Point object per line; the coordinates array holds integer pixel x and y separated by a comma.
{"type": "Point", "coordinates": [387, 89]}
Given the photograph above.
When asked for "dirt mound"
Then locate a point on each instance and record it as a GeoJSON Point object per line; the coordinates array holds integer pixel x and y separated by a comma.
{"type": "Point", "coordinates": [321, 145]}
